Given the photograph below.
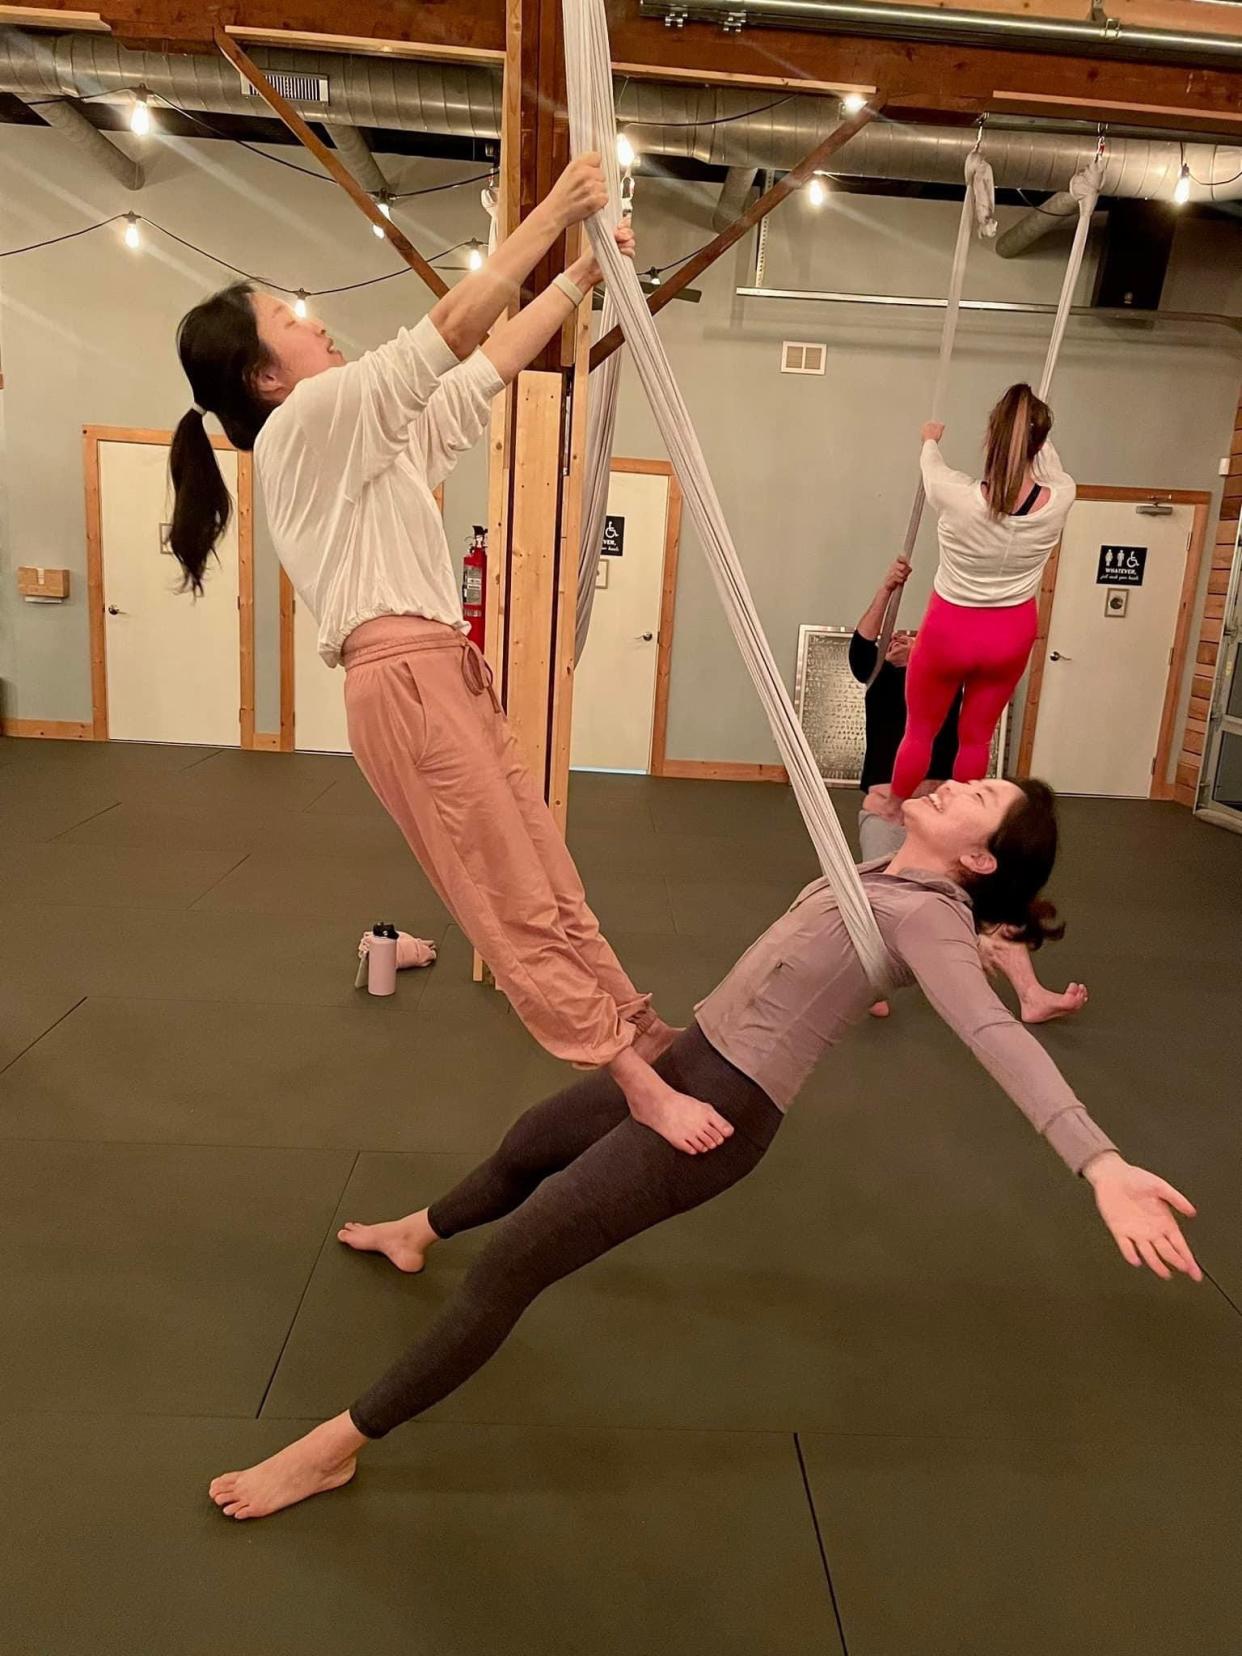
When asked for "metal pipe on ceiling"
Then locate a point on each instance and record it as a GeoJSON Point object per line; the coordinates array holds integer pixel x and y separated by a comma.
{"type": "Point", "coordinates": [723, 126]}
{"type": "Point", "coordinates": [357, 156]}
{"type": "Point", "coordinates": [1094, 37]}
{"type": "Point", "coordinates": [95, 145]}
{"type": "Point", "coordinates": [907, 301]}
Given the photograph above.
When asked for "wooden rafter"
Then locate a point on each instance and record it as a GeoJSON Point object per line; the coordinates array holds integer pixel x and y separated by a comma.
{"type": "Point", "coordinates": [329, 161]}
{"type": "Point", "coordinates": [780, 191]}
{"type": "Point", "coordinates": [919, 77]}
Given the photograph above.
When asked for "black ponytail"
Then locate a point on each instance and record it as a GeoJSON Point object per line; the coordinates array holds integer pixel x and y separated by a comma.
{"type": "Point", "coordinates": [221, 352]}
{"type": "Point", "coordinates": [1025, 848]}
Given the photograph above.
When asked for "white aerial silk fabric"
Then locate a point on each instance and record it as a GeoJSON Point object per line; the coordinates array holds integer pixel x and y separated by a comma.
{"type": "Point", "coordinates": [592, 125]}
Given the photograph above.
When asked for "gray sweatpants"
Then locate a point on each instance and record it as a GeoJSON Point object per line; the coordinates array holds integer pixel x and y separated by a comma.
{"type": "Point", "coordinates": [878, 837]}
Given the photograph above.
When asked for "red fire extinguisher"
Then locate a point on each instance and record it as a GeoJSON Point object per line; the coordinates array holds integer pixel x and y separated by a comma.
{"type": "Point", "coordinates": [473, 582]}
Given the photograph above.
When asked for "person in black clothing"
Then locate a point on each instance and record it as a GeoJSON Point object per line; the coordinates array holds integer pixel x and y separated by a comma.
{"type": "Point", "coordinates": [879, 836]}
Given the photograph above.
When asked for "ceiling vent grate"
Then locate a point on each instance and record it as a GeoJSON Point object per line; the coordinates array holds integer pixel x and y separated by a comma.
{"type": "Point", "coordinates": [298, 89]}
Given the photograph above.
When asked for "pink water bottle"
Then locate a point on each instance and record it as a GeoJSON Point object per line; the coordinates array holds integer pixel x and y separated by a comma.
{"type": "Point", "coordinates": [382, 959]}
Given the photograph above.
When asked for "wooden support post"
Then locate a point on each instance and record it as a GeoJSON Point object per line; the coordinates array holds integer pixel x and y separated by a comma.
{"type": "Point", "coordinates": [328, 160]}
{"type": "Point", "coordinates": [706, 256]}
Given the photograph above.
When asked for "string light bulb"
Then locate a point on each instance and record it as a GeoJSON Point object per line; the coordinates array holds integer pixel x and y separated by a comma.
{"type": "Point", "coordinates": [385, 207]}
{"type": "Point", "coordinates": [816, 190]}
{"type": "Point", "coordinates": [652, 277]}
{"type": "Point", "coordinates": [853, 103]}
{"type": "Point", "coordinates": [133, 236]}
{"type": "Point", "coordinates": [299, 305]}
{"type": "Point", "coordinates": [627, 155]}
{"type": "Point", "coordinates": [1181, 190]}
{"type": "Point", "coordinates": [140, 114]}
{"type": "Point", "coordinates": [474, 257]}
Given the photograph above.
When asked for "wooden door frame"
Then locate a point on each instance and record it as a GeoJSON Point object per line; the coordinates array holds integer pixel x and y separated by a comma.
{"type": "Point", "coordinates": [92, 436]}
{"type": "Point", "coordinates": [1201, 501]}
{"type": "Point", "coordinates": [658, 761]}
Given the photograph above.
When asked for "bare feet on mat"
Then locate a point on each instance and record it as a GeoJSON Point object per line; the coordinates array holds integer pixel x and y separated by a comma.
{"type": "Point", "coordinates": [324, 1459]}
{"type": "Point", "coordinates": [687, 1123]}
{"type": "Point", "coordinates": [403, 1241]}
{"type": "Point", "coordinates": [655, 1038]}
{"type": "Point", "coordinates": [1040, 1005]}
{"type": "Point", "coordinates": [881, 1009]}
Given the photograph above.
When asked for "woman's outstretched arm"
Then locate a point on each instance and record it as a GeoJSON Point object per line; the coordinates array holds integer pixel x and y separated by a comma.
{"type": "Point", "coordinates": [940, 948]}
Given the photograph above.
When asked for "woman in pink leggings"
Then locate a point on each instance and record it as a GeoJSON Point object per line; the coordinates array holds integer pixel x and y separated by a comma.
{"type": "Point", "coordinates": [996, 535]}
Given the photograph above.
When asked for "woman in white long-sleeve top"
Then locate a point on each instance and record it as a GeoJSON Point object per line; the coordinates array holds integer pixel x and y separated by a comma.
{"type": "Point", "coordinates": [996, 534]}
{"type": "Point", "coordinates": [348, 455]}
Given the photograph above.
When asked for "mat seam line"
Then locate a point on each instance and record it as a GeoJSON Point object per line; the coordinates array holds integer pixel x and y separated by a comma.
{"type": "Point", "coordinates": [819, 1537]}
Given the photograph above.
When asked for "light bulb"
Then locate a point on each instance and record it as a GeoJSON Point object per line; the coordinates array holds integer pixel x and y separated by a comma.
{"type": "Point", "coordinates": [384, 208]}
{"type": "Point", "coordinates": [474, 258]}
{"type": "Point", "coordinates": [1181, 190]}
{"type": "Point", "coordinates": [133, 236]}
{"type": "Point", "coordinates": [652, 277]}
{"type": "Point", "coordinates": [816, 190]}
{"type": "Point", "coordinates": [853, 103]}
{"type": "Point", "coordinates": [299, 305]}
{"type": "Point", "coordinates": [140, 114]}
{"type": "Point", "coordinates": [627, 155]}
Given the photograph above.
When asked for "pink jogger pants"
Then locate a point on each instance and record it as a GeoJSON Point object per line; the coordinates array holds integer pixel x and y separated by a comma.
{"type": "Point", "coordinates": [427, 731]}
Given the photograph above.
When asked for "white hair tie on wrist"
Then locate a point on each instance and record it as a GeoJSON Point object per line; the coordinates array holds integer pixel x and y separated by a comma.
{"type": "Point", "coordinates": [198, 409]}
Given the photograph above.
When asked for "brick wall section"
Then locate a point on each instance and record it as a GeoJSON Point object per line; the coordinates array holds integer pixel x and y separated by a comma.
{"type": "Point", "coordinates": [1194, 737]}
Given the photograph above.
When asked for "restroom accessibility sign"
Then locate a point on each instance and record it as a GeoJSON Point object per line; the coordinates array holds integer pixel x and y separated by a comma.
{"type": "Point", "coordinates": [1121, 566]}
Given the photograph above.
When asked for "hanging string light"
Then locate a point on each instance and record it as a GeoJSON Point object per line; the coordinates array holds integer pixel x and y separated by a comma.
{"type": "Point", "coordinates": [475, 256]}
{"type": "Point", "coordinates": [816, 190]}
{"type": "Point", "coordinates": [385, 206]}
{"type": "Point", "coordinates": [1181, 190]}
{"type": "Point", "coordinates": [627, 155]}
{"type": "Point", "coordinates": [133, 236]}
{"type": "Point", "coordinates": [853, 103]}
{"type": "Point", "coordinates": [140, 114]}
{"type": "Point", "coordinates": [300, 306]}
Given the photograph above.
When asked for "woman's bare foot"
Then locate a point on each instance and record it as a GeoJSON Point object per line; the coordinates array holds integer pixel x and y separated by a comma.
{"type": "Point", "coordinates": [1040, 1005]}
{"type": "Point", "coordinates": [687, 1123]}
{"type": "Point", "coordinates": [881, 1009]}
{"type": "Point", "coordinates": [403, 1241]}
{"type": "Point", "coordinates": [324, 1459]}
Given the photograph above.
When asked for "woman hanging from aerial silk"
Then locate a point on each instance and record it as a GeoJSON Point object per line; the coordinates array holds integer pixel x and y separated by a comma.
{"type": "Point", "coordinates": [576, 1176]}
{"type": "Point", "coordinates": [996, 534]}
{"type": "Point", "coordinates": [348, 454]}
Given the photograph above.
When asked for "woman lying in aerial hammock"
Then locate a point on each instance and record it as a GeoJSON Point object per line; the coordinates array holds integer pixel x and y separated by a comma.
{"type": "Point", "coordinates": [996, 535]}
{"type": "Point", "coordinates": [577, 1175]}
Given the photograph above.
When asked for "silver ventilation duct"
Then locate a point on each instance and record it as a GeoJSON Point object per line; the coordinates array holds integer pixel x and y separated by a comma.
{"type": "Point", "coordinates": [725, 127]}
{"type": "Point", "coordinates": [356, 154]}
{"type": "Point", "coordinates": [94, 144]}
{"type": "Point", "coordinates": [734, 195]}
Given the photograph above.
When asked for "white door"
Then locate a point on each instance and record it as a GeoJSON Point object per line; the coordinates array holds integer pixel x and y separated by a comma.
{"type": "Point", "coordinates": [318, 692]}
{"type": "Point", "coordinates": [173, 668]}
{"type": "Point", "coordinates": [1109, 646]}
{"type": "Point", "coordinates": [614, 683]}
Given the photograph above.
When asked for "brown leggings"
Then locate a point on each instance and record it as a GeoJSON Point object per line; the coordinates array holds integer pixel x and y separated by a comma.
{"type": "Point", "coordinates": [576, 1175]}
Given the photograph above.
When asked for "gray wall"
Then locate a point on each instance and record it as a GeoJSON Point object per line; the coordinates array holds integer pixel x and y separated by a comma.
{"type": "Point", "coordinates": [815, 474]}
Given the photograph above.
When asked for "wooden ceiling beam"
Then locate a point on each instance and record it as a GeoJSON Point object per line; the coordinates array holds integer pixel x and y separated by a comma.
{"type": "Point", "coordinates": [330, 161]}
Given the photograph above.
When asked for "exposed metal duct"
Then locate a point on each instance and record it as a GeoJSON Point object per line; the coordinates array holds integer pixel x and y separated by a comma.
{"type": "Point", "coordinates": [356, 154]}
{"type": "Point", "coordinates": [362, 91]}
{"type": "Point", "coordinates": [1056, 213]}
{"type": "Point", "coordinates": [75, 126]}
{"type": "Point", "coordinates": [719, 126]}
{"type": "Point", "coordinates": [1100, 36]}
{"type": "Point", "coordinates": [734, 194]}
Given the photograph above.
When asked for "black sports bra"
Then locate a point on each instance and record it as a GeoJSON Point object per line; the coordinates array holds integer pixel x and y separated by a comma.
{"type": "Point", "coordinates": [1024, 509]}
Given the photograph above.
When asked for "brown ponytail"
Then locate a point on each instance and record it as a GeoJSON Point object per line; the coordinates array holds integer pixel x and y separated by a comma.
{"type": "Point", "coordinates": [221, 352]}
{"type": "Point", "coordinates": [1018, 428]}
